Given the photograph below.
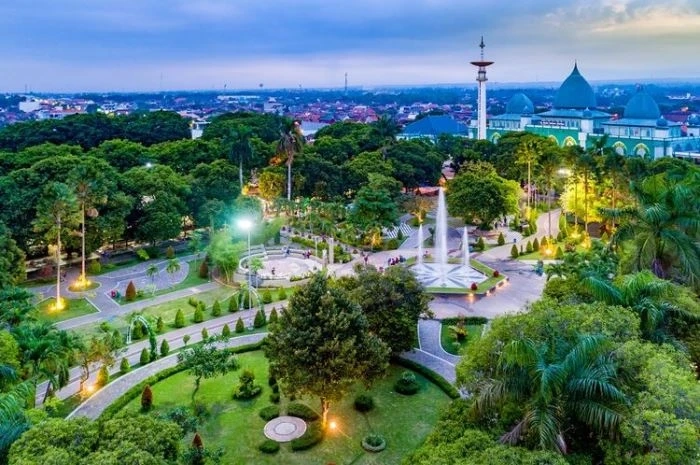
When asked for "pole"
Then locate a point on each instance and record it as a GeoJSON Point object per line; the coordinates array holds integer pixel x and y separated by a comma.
{"type": "Point", "coordinates": [250, 285]}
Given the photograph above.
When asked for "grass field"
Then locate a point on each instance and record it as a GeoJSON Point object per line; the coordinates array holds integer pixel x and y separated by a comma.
{"type": "Point", "coordinates": [449, 342]}
{"type": "Point", "coordinates": [404, 421]}
{"type": "Point", "coordinates": [192, 279]}
{"type": "Point", "coordinates": [76, 308]}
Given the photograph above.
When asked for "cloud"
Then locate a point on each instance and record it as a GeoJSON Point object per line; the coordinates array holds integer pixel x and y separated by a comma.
{"type": "Point", "coordinates": [311, 41]}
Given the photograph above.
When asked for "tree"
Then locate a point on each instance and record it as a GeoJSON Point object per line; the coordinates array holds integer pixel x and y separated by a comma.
{"type": "Point", "coordinates": [260, 319]}
{"type": "Point", "coordinates": [145, 357]}
{"type": "Point", "coordinates": [205, 334]}
{"type": "Point", "coordinates": [226, 332]}
{"type": "Point", "coordinates": [164, 348]}
{"type": "Point", "coordinates": [130, 294]}
{"type": "Point", "coordinates": [549, 162]}
{"type": "Point", "coordinates": [15, 306]}
{"type": "Point", "coordinates": [198, 316]}
{"type": "Point", "coordinates": [480, 196]}
{"type": "Point", "coordinates": [102, 376]}
{"type": "Point", "coordinates": [553, 385]}
{"type": "Point", "coordinates": [662, 229]}
{"type": "Point", "coordinates": [392, 302]}
{"type": "Point", "coordinates": [240, 327]}
{"type": "Point", "coordinates": [206, 361]}
{"type": "Point", "coordinates": [124, 366]}
{"type": "Point", "coordinates": [179, 319]}
{"type": "Point", "coordinates": [172, 267]}
{"type": "Point", "coordinates": [12, 264]}
{"type": "Point", "coordinates": [322, 344]}
{"type": "Point", "coordinates": [204, 270]}
{"type": "Point", "coordinates": [216, 308]}
{"type": "Point", "coordinates": [289, 145]}
{"type": "Point", "coordinates": [373, 208]}
{"type": "Point", "coordinates": [57, 212]}
{"type": "Point", "coordinates": [271, 184]}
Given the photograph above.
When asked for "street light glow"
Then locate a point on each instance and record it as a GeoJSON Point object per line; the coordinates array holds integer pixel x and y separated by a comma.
{"type": "Point", "coordinates": [333, 425]}
{"type": "Point", "coordinates": [245, 224]}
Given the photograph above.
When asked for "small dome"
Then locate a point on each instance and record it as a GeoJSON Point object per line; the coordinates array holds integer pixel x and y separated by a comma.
{"type": "Point", "coordinates": [662, 122]}
{"type": "Point", "coordinates": [587, 113]}
{"type": "Point", "coordinates": [642, 106]}
{"type": "Point", "coordinates": [694, 120]}
{"type": "Point", "coordinates": [575, 93]}
{"type": "Point", "coordinates": [520, 104]}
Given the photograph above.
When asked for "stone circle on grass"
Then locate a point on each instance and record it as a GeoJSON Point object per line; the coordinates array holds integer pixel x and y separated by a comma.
{"type": "Point", "coordinates": [284, 429]}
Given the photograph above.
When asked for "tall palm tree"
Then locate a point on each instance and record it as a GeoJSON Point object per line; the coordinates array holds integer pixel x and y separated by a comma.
{"type": "Point", "coordinates": [651, 298]}
{"type": "Point", "coordinates": [13, 401]}
{"type": "Point", "coordinates": [550, 161]}
{"type": "Point", "coordinates": [387, 130]}
{"type": "Point", "coordinates": [172, 267]}
{"type": "Point", "coordinates": [57, 210]}
{"type": "Point", "coordinates": [290, 144]}
{"type": "Point", "coordinates": [527, 154]}
{"type": "Point", "coordinates": [88, 182]}
{"type": "Point", "coordinates": [240, 148]}
{"type": "Point", "coordinates": [662, 229]}
{"type": "Point", "coordinates": [554, 387]}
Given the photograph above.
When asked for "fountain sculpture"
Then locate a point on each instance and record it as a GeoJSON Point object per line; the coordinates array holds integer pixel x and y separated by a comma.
{"type": "Point", "coordinates": [440, 273]}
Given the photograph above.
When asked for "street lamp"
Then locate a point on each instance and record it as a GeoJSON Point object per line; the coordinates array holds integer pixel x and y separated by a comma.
{"type": "Point", "coordinates": [246, 225]}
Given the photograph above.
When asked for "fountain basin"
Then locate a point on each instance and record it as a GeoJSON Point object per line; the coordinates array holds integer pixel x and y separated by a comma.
{"type": "Point", "coordinates": [434, 276]}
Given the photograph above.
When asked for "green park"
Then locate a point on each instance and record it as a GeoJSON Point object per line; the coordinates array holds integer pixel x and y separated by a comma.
{"type": "Point", "coordinates": [255, 297]}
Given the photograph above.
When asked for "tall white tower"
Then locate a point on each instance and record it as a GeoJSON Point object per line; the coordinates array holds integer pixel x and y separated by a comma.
{"type": "Point", "coordinates": [481, 79]}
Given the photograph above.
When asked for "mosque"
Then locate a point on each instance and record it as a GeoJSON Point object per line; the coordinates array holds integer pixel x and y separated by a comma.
{"type": "Point", "coordinates": [574, 120]}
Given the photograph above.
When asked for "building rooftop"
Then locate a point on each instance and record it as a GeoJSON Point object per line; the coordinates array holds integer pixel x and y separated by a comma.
{"type": "Point", "coordinates": [575, 93]}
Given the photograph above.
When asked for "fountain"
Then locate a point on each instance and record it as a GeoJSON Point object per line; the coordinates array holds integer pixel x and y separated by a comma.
{"type": "Point", "coordinates": [440, 273]}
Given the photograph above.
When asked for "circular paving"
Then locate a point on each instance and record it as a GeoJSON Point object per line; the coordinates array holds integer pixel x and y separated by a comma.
{"type": "Point", "coordinates": [284, 429]}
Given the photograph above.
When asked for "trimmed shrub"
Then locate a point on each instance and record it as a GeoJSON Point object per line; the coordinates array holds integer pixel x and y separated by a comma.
{"type": "Point", "coordinates": [240, 327]}
{"type": "Point", "coordinates": [145, 357]}
{"type": "Point", "coordinates": [216, 308]}
{"type": "Point", "coordinates": [102, 376]}
{"type": "Point", "coordinates": [270, 412]}
{"type": "Point", "coordinates": [501, 239]}
{"type": "Point", "coordinates": [474, 287]}
{"type": "Point", "coordinates": [439, 381]}
{"type": "Point", "coordinates": [535, 245]}
{"type": "Point", "coordinates": [526, 231]}
{"type": "Point", "coordinates": [273, 316]}
{"type": "Point", "coordinates": [198, 316]}
{"type": "Point", "coordinates": [364, 403]}
{"type": "Point", "coordinates": [94, 267]}
{"type": "Point", "coordinates": [124, 366]}
{"type": "Point", "coordinates": [282, 294]}
{"type": "Point", "coordinates": [560, 236]}
{"type": "Point", "coordinates": [179, 319]}
{"type": "Point", "coordinates": [407, 384]}
{"type": "Point", "coordinates": [160, 325]}
{"type": "Point", "coordinates": [514, 252]}
{"type": "Point", "coordinates": [142, 255]}
{"type": "Point", "coordinates": [185, 339]}
{"type": "Point", "coordinates": [496, 274]}
{"type": "Point", "coordinates": [528, 247]}
{"type": "Point", "coordinates": [275, 397]}
{"type": "Point", "coordinates": [392, 244]}
{"type": "Point", "coordinates": [303, 411]}
{"type": "Point", "coordinates": [268, 446]}
{"type": "Point", "coordinates": [205, 334]}
{"type": "Point", "coordinates": [559, 254]}
{"type": "Point", "coordinates": [170, 252]}
{"type": "Point", "coordinates": [164, 348]}
{"type": "Point", "coordinates": [233, 304]}
{"type": "Point", "coordinates": [146, 399]}
{"type": "Point", "coordinates": [192, 302]}
{"type": "Point", "coordinates": [130, 294]}
{"type": "Point", "coordinates": [544, 243]}
{"type": "Point", "coordinates": [260, 319]}
{"type": "Point", "coordinates": [226, 331]}
{"type": "Point", "coordinates": [373, 443]}
{"type": "Point", "coordinates": [247, 389]}
{"type": "Point", "coordinates": [137, 332]}
{"type": "Point", "coordinates": [204, 270]}
{"type": "Point", "coordinates": [480, 244]}
{"type": "Point", "coordinates": [312, 436]}
{"type": "Point", "coordinates": [266, 296]}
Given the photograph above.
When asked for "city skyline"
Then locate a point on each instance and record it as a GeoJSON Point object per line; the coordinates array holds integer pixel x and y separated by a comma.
{"type": "Point", "coordinates": [208, 44]}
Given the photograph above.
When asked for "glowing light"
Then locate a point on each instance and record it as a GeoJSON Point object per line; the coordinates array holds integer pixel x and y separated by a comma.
{"type": "Point", "coordinates": [81, 283]}
{"type": "Point", "coordinates": [245, 224]}
{"type": "Point", "coordinates": [333, 425]}
{"type": "Point", "coordinates": [90, 388]}
{"type": "Point", "coordinates": [57, 306]}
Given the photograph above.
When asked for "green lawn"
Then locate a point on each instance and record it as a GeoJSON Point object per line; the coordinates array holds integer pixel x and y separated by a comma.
{"type": "Point", "coordinates": [404, 421]}
{"type": "Point", "coordinates": [449, 342]}
{"type": "Point", "coordinates": [115, 266]}
{"type": "Point", "coordinates": [76, 308]}
{"type": "Point", "coordinates": [490, 282]}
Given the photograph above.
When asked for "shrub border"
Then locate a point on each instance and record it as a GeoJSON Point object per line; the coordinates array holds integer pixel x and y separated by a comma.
{"type": "Point", "coordinates": [444, 385]}
{"type": "Point", "coordinates": [135, 390]}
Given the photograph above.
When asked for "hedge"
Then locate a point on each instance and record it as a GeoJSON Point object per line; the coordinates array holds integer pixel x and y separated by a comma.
{"type": "Point", "coordinates": [270, 412]}
{"type": "Point", "coordinates": [438, 380]}
{"type": "Point", "coordinates": [312, 436]}
{"type": "Point", "coordinates": [468, 320]}
{"type": "Point", "coordinates": [136, 390]}
{"type": "Point", "coordinates": [268, 446]}
{"type": "Point", "coordinates": [303, 411]}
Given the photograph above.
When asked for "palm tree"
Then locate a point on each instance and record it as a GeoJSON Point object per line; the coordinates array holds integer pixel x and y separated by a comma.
{"type": "Point", "coordinates": [151, 272]}
{"type": "Point", "coordinates": [554, 387]}
{"type": "Point", "coordinates": [289, 145]}
{"type": "Point", "coordinates": [651, 298]}
{"type": "Point", "coordinates": [172, 267]}
{"type": "Point", "coordinates": [13, 400]}
{"type": "Point", "coordinates": [57, 209]}
{"type": "Point", "coordinates": [387, 130]}
{"type": "Point", "coordinates": [240, 146]}
{"type": "Point", "coordinates": [662, 229]}
{"type": "Point", "coordinates": [86, 181]}
{"type": "Point", "coordinates": [549, 161]}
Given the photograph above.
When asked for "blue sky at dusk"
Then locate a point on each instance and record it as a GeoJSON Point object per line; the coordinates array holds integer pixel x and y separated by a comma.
{"type": "Point", "coordinates": [122, 45]}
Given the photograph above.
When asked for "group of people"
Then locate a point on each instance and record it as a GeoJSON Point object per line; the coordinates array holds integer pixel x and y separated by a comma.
{"type": "Point", "coordinates": [395, 260]}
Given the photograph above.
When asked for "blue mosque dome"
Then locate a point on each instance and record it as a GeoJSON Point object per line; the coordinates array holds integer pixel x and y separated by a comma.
{"type": "Point", "coordinates": [587, 113]}
{"type": "Point", "coordinates": [694, 120]}
{"type": "Point", "coordinates": [575, 93]}
{"type": "Point", "coordinates": [520, 104]}
{"type": "Point", "coordinates": [642, 106]}
{"type": "Point", "coordinates": [662, 122]}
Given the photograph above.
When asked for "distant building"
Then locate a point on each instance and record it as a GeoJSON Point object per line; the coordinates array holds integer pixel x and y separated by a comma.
{"type": "Point", "coordinates": [431, 127]}
{"type": "Point", "coordinates": [197, 128]}
{"type": "Point", "coordinates": [574, 120]}
{"type": "Point", "coordinates": [29, 105]}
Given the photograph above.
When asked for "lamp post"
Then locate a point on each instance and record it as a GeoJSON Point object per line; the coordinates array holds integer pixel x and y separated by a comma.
{"type": "Point", "coordinates": [246, 225]}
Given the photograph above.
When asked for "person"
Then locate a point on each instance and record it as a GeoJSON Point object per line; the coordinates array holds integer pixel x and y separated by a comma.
{"type": "Point", "coordinates": [272, 271]}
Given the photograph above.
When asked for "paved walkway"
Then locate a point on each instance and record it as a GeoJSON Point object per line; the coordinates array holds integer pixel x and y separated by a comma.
{"type": "Point", "coordinates": [94, 406]}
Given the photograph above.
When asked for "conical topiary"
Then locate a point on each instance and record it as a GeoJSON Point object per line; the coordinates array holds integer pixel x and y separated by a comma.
{"type": "Point", "coordinates": [130, 294]}
{"type": "Point", "coordinates": [226, 331]}
{"type": "Point", "coordinates": [528, 247]}
{"type": "Point", "coordinates": [240, 327]}
{"type": "Point", "coordinates": [535, 245]}
{"type": "Point", "coordinates": [216, 308]}
{"type": "Point", "coordinates": [501, 239]}
{"type": "Point", "coordinates": [514, 252]}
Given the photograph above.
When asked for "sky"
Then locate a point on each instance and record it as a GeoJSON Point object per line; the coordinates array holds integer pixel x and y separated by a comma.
{"type": "Point", "coordinates": [152, 45]}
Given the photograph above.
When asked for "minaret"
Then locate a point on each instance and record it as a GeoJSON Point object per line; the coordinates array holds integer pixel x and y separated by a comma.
{"type": "Point", "coordinates": [481, 79]}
